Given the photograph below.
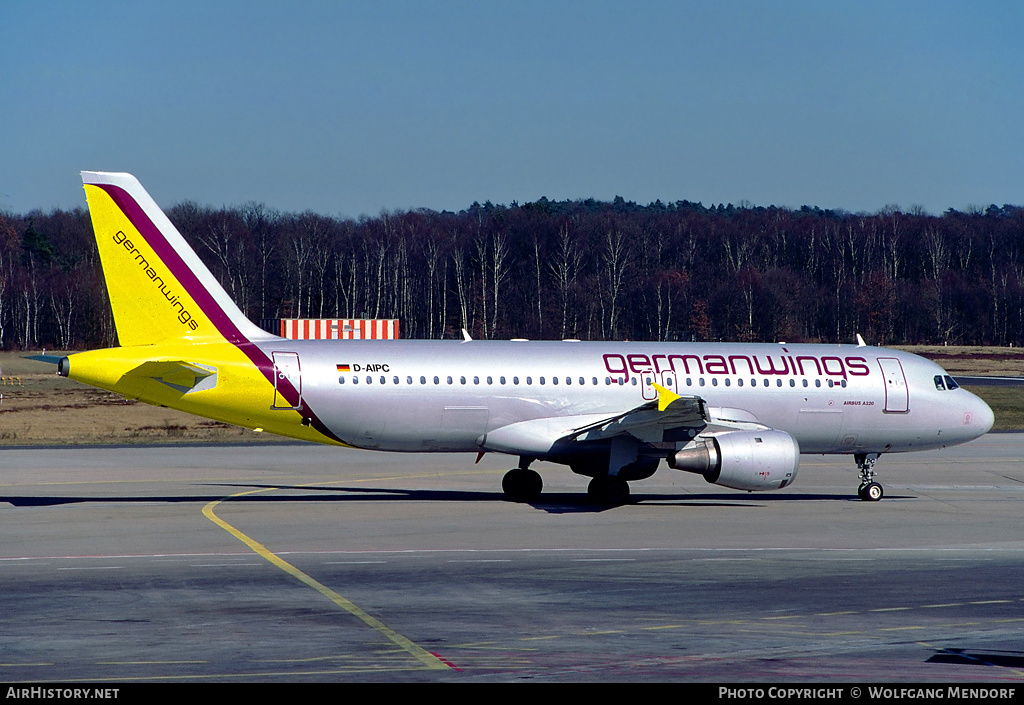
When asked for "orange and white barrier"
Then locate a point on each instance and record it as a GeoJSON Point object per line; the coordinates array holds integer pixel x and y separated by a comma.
{"type": "Point", "coordinates": [339, 328]}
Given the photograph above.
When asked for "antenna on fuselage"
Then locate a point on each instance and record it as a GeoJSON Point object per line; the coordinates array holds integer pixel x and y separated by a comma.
{"type": "Point", "coordinates": [860, 342]}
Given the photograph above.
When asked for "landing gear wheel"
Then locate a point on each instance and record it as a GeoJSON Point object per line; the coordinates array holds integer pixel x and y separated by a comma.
{"type": "Point", "coordinates": [612, 491]}
{"type": "Point", "coordinates": [871, 492]}
{"type": "Point", "coordinates": [522, 485]}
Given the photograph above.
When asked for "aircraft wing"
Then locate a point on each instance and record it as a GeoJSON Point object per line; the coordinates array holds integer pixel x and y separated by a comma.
{"type": "Point", "coordinates": [649, 421]}
{"type": "Point", "coordinates": [646, 422]}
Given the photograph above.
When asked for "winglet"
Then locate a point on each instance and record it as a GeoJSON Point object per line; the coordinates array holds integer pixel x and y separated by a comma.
{"type": "Point", "coordinates": [665, 396]}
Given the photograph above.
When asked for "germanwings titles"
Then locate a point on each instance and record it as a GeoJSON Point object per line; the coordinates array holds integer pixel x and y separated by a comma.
{"type": "Point", "coordinates": [740, 415]}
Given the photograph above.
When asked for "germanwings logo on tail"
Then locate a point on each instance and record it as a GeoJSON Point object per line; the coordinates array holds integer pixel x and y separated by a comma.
{"type": "Point", "coordinates": [172, 298]}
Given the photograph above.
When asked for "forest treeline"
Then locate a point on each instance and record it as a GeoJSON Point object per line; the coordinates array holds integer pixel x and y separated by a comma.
{"type": "Point", "coordinates": [561, 269]}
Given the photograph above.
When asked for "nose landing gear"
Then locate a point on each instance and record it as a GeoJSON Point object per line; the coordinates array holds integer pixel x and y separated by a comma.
{"type": "Point", "coordinates": [869, 490]}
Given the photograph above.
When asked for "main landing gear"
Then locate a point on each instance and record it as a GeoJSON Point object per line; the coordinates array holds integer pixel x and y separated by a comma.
{"type": "Point", "coordinates": [522, 484]}
{"type": "Point", "coordinates": [869, 490]}
{"type": "Point", "coordinates": [608, 489]}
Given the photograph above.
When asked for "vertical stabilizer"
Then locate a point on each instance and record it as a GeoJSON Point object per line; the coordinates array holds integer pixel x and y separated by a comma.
{"type": "Point", "coordinates": [159, 288]}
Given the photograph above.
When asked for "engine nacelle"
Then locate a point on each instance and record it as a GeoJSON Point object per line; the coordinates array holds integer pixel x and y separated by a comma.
{"type": "Point", "coordinates": [743, 460]}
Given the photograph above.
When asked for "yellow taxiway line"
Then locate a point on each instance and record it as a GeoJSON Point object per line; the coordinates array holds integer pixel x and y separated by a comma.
{"type": "Point", "coordinates": [419, 653]}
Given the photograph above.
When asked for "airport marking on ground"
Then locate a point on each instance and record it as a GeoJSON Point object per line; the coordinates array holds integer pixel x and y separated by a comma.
{"type": "Point", "coordinates": [428, 659]}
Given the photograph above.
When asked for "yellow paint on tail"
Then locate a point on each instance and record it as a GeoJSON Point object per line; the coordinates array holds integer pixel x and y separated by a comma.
{"type": "Point", "coordinates": [174, 352]}
{"type": "Point", "coordinates": [239, 393]}
{"type": "Point", "coordinates": [149, 304]}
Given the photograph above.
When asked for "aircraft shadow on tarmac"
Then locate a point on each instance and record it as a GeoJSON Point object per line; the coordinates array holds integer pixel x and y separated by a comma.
{"type": "Point", "coordinates": [551, 502]}
{"type": "Point", "coordinates": [1006, 659]}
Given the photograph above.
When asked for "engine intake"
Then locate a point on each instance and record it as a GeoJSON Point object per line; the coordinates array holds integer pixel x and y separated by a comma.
{"type": "Point", "coordinates": [742, 460]}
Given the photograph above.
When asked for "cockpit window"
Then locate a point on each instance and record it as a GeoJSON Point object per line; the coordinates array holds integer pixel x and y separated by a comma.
{"type": "Point", "coordinates": [951, 383]}
{"type": "Point", "coordinates": [938, 383]}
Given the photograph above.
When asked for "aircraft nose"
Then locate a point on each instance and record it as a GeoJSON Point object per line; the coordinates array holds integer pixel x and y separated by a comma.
{"type": "Point", "coordinates": [982, 417]}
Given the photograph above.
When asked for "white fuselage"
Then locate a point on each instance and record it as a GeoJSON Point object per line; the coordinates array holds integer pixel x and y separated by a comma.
{"type": "Point", "coordinates": [449, 395]}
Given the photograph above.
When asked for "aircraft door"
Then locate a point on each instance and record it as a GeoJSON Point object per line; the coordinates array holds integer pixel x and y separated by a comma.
{"type": "Point", "coordinates": [897, 396]}
{"type": "Point", "coordinates": [648, 392]}
{"type": "Point", "coordinates": [664, 377]}
{"type": "Point", "coordinates": [287, 380]}
{"type": "Point", "coordinates": [668, 380]}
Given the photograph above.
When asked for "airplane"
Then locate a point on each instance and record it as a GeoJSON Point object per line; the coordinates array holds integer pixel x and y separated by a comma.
{"type": "Point", "coordinates": [738, 414]}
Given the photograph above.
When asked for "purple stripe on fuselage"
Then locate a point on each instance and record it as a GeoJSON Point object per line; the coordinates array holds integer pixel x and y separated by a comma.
{"type": "Point", "coordinates": [207, 304]}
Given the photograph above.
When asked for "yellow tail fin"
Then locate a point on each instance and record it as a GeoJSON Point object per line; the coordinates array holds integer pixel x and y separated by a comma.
{"type": "Point", "coordinates": [159, 288]}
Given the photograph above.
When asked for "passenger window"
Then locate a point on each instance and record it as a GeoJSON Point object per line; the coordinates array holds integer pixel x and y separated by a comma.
{"type": "Point", "coordinates": [476, 380]}
{"type": "Point", "coordinates": [396, 379]}
{"type": "Point", "coordinates": [529, 380]}
{"type": "Point", "coordinates": [355, 380]}
{"type": "Point", "coordinates": [341, 380]}
{"type": "Point", "coordinates": [515, 380]}
{"type": "Point", "coordinates": [462, 380]}
{"type": "Point", "coordinates": [437, 380]}
{"type": "Point", "coordinates": [423, 380]}
{"type": "Point", "coordinates": [502, 379]}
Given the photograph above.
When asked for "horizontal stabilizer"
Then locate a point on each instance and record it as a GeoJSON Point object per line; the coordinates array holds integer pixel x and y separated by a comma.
{"type": "Point", "coordinates": [52, 359]}
{"type": "Point", "coordinates": [181, 376]}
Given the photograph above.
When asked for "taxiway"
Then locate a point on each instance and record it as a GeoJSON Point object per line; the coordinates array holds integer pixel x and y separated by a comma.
{"type": "Point", "coordinates": [293, 562]}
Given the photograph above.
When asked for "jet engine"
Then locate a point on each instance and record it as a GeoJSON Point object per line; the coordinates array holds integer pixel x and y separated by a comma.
{"type": "Point", "coordinates": [742, 460]}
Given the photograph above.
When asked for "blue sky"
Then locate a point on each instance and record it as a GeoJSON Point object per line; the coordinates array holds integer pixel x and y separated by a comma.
{"type": "Point", "coordinates": [350, 108]}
